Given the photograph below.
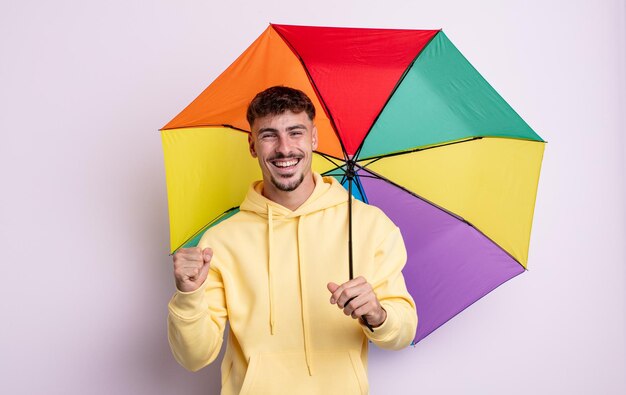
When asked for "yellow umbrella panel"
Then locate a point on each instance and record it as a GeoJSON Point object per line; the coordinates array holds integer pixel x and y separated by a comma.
{"type": "Point", "coordinates": [208, 171]}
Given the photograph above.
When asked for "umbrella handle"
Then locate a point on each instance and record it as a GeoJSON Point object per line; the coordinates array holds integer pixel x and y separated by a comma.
{"type": "Point", "coordinates": [351, 174]}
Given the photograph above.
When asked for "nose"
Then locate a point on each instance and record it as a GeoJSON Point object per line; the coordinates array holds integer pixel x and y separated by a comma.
{"type": "Point", "coordinates": [282, 145]}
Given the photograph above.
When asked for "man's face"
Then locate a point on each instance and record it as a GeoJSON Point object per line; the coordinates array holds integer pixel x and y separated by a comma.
{"type": "Point", "coordinates": [284, 146]}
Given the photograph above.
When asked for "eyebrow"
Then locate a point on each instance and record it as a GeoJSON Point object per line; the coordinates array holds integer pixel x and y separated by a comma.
{"type": "Point", "coordinates": [289, 128]}
{"type": "Point", "coordinates": [298, 126]}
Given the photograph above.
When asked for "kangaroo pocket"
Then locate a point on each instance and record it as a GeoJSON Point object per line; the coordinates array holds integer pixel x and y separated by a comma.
{"type": "Point", "coordinates": [339, 372]}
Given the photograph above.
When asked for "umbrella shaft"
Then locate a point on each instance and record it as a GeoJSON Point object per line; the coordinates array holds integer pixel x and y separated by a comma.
{"type": "Point", "coordinates": [350, 174]}
{"type": "Point", "coordinates": [350, 269]}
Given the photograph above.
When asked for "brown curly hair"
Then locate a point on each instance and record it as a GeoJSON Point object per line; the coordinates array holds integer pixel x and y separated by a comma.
{"type": "Point", "coordinates": [278, 99]}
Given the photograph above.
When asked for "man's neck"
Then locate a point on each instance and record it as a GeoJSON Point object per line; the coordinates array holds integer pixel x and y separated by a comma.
{"type": "Point", "coordinates": [293, 199]}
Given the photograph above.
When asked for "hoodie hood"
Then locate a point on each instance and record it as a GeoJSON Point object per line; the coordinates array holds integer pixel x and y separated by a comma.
{"type": "Point", "coordinates": [327, 193]}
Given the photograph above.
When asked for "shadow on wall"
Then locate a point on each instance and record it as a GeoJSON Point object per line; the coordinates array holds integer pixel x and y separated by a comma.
{"type": "Point", "coordinates": [147, 354]}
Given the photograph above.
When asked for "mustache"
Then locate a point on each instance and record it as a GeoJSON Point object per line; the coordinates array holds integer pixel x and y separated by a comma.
{"type": "Point", "coordinates": [289, 155]}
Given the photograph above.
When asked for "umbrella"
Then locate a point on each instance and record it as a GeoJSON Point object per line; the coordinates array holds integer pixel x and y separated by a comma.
{"type": "Point", "coordinates": [405, 123]}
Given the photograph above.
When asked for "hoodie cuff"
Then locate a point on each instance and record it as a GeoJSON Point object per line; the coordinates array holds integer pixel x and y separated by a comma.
{"type": "Point", "coordinates": [389, 327]}
{"type": "Point", "coordinates": [188, 305]}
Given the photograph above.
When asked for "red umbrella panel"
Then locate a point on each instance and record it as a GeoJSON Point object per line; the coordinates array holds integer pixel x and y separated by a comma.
{"type": "Point", "coordinates": [425, 137]}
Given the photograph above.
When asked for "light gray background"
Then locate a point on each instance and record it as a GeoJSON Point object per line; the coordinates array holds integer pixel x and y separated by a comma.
{"type": "Point", "coordinates": [85, 85]}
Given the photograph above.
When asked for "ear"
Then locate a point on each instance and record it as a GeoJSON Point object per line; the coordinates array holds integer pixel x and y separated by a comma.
{"type": "Point", "coordinates": [314, 137]}
{"type": "Point", "coordinates": [251, 145]}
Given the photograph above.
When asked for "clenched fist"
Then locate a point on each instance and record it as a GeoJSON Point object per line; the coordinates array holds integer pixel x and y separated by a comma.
{"type": "Point", "coordinates": [191, 267]}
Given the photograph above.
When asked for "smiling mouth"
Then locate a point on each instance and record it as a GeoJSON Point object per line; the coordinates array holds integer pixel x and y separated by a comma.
{"type": "Point", "coordinates": [285, 163]}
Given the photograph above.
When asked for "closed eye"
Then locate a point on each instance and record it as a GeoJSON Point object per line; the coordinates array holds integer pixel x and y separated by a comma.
{"type": "Point", "coordinates": [267, 136]}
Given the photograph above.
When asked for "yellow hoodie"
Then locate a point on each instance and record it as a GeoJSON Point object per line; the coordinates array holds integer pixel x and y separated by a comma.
{"type": "Point", "coordinates": [268, 278]}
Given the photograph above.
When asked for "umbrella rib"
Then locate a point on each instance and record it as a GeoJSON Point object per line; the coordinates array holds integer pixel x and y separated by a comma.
{"type": "Point", "coordinates": [343, 173]}
{"type": "Point", "coordinates": [370, 162]}
{"type": "Point", "coordinates": [205, 226]}
{"type": "Point", "coordinates": [458, 217]}
{"type": "Point", "coordinates": [224, 125]}
{"type": "Point", "coordinates": [466, 140]}
{"type": "Point", "coordinates": [317, 92]}
{"type": "Point", "coordinates": [393, 91]}
{"type": "Point", "coordinates": [377, 158]}
{"type": "Point", "coordinates": [328, 158]}
{"type": "Point", "coordinates": [368, 176]}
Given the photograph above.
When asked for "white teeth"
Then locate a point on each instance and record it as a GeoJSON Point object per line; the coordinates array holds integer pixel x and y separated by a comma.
{"type": "Point", "coordinates": [286, 164]}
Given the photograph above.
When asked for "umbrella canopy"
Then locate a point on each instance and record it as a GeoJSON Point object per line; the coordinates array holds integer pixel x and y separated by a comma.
{"type": "Point", "coordinates": [430, 141]}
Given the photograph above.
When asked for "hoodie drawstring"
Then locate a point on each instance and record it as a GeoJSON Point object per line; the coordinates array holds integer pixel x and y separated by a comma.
{"type": "Point", "coordinates": [304, 306]}
{"type": "Point", "coordinates": [304, 315]}
{"type": "Point", "coordinates": [270, 259]}
{"type": "Point", "coordinates": [327, 193]}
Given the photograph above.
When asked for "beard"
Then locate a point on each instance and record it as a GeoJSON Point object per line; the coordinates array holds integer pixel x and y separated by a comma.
{"type": "Point", "coordinates": [287, 186]}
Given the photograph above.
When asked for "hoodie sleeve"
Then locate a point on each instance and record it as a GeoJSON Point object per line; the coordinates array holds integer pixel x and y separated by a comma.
{"type": "Point", "coordinates": [196, 323]}
{"type": "Point", "coordinates": [399, 328]}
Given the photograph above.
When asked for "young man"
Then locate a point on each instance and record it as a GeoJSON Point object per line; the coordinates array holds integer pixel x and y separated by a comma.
{"type": "Point", "coordinates": [278, 271]}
